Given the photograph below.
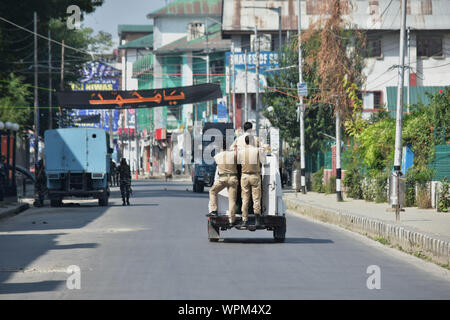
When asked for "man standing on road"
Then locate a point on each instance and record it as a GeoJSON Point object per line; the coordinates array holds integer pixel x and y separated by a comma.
{"type": "Point", "coordinates": [41, 181]}
{"type": "Point", "coordinates": [228, 178]}
{"type": "Point", "coordinates": [113, 175]}
{"type": "Point", "coordinates": [250, 158]}
{"type": "Point", "coordinates": [125, 181]}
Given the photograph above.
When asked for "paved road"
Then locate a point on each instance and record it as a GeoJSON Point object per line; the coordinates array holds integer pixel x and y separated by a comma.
{"type": "Point", "coordinates": [158, 249]}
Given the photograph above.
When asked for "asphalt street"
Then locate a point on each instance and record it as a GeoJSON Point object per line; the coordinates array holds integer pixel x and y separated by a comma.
{"type": "Point", "coordinates": [157, 248]}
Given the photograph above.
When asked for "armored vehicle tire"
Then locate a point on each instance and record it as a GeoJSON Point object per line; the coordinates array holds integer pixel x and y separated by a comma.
{"type": "Point", "coordinates": [213, 232]}
{"type": "Point", "coordinates": [55, 202]}
{"type": "Point", "coordinates": [279, 233]}
{"type": "Point", "coordinates": [198, 186]}
{"type": "Point", "coordinates": [103, 201]}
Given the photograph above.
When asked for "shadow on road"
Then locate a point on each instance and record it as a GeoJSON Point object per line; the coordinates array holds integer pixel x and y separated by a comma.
{"type": "Point", "coordinates": [271, 240]}
{"type": "Point", "coordinates": [29, 287]}
{"type": "Point", "coordinates": [135, 205]}
{"type": "Point", "coordinates": [168, 194]}
{"type": "Point", "coordinates": [18, 251]}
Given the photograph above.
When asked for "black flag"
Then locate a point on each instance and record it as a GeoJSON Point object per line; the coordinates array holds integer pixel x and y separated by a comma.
{"type": "Point", "coordinates": [139, 98]}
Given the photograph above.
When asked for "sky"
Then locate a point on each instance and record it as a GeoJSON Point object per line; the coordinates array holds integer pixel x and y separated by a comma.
{"type": "Point", "coordinates": [115, 12]}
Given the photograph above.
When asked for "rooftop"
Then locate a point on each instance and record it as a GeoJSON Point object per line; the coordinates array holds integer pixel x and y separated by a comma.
{"type": "Point", "coordinates": [135, 28]}
{"type": "Point", "coordinates": [242, 16]}
{"type": "Point", "coordinates": [189, 7]}
{"type": "Point", "coordinates": [215, 43]}
{"type": "Point", "coordinates": [143, 42]}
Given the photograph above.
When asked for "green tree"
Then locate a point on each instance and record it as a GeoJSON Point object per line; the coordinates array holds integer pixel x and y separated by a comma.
{"type": "Point", "coordinates": [318, 116]}
{"type": "Point", "coordinates": [16, 48]}
{"type": "Point", "coordinates": [16, 94]}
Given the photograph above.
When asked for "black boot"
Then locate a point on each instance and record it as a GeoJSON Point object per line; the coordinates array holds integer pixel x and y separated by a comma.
{"type": "Point", "coordinates": [123, 202]}
{"type": "Point", "coordinates": [257, 219]}
{"type": "Point", "coordinates": [128, 202]}
{"type": "Point", "coordinates": [244, 223]}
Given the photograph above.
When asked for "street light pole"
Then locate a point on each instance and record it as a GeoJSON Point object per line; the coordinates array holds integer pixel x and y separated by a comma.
{"type": "Point", "coordinates": [409, 69]}
{"type": "Point", "coordinates": [300, 105]}
{"type": "Point", "coordinates": [234, 86]}
{"type": "Point", "coordinates": [279, 36]}
{"type": "Point", "coordinates": [208, 103]}
{"type": "Point", "coordinates": [246, 86]}
{"type": "Point", "coordinates": [257, 81]}
{"type": "Point", "coordinates": [36, 100]}
{"type": "Point", "coordinates": [399, 115]}
{"type": "Point", "coordinates": [50, 102]}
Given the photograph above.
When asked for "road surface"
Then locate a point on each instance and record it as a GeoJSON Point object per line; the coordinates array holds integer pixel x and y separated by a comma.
{"type": "Point", "coordinates": [157, 248]}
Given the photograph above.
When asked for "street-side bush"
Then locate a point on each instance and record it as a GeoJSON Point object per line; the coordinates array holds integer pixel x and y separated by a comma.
{"type": "Point", "coordinates": [353, 182]}
{"type": "Point", "coordinates": [418, 187]}
{"type": "Point", "coordinates": [330, 187]}
{"type": "Point", "coordinates": [410, 196]}
{"type": "Point", "coordinates": [317, 181]}
{"type": "Point", "coordinates": [443, 204]}
{"type": "Point", "coordinates": [381, 183]}
{"type": "Point", "coordinates": [368, 189]}
{"type": "Point", "coordinates": [423, 197]}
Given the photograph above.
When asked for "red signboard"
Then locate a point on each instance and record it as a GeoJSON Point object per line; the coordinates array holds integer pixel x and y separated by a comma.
{"type": "Point", "coordinates": [413, 79]}
{"type": "Point", "coordinates": [160, 134]}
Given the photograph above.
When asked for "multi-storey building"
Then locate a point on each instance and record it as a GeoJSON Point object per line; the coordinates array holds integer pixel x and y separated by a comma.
{"type": "Point", "coordinates": [428, 61]}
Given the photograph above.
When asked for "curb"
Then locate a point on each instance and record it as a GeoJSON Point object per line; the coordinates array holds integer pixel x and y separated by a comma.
{"type": "Point", "coordinates": [410, 241]}
{"type": "Point", "coordinates": [15, 210]}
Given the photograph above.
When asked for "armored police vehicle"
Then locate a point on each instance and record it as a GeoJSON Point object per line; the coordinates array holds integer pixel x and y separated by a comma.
{"type": "Point", "coordinates": [273, 208]}
{"type": "Point", "coordinates": [77, 164]}
{"type": "Point", "coordinates": [204, 170]}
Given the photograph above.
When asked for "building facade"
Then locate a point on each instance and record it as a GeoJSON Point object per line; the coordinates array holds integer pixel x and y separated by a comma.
{"type": "Point", "coordinates": [428, 61]}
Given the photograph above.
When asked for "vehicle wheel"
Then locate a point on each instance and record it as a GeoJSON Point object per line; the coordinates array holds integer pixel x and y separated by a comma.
{"type": "Point", "coordinates": [103, 201]}
{"type": "Point", "coordinates": [213, 232]}
{"type": "Point", "coordinates": [37, 203]}
{"type": "Point", "coordinates": [279, 233]}
{"type": "Point", "coordinates": [55, 203]}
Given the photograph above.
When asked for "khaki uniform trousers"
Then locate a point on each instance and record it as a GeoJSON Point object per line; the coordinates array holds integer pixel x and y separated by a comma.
{"type": "Point", "coordinates": [251, 186]}
{"type": "Point", "coordinates": [230, 182]}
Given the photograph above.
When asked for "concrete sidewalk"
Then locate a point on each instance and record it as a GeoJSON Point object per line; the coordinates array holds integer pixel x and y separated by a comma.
{"type": "Point", "coordinates": [419, 230]}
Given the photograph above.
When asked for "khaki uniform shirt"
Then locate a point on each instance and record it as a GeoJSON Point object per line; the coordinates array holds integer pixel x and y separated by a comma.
{"type": "Point", "coordinates": [226, 162]}
{"type": "Point", "coordinates": [240, 141]}
{"type": "Point", "coordinates": [250, 158]}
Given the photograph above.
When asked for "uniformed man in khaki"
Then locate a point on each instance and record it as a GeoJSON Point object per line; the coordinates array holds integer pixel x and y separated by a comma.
{"type": "Point", "coordinates": [228, 178]}
{"type": "Point", "coordinates": [240, 141]}
{"type": "Point", "coordinates": [250, 158]}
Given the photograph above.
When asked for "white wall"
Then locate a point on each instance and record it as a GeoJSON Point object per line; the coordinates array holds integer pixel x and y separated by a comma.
{"type": "Point", "coordinates": [169, 29]}
{"type": "Point", "coordinates": [435, 71]}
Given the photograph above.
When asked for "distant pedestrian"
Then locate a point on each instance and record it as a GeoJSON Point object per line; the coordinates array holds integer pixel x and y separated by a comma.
{"type": "Point", "coordinates": [41, 181]}
{"type": "Point", "coordinates": [125, 182]}
{"type": "Point", "coordinates": [113, 174]}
